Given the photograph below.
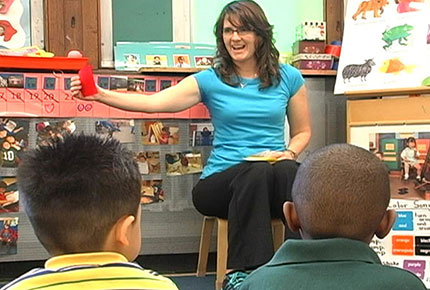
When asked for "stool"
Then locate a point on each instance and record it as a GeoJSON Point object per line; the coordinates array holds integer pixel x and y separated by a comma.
{"type": "Point", "coordinates": [278, 231]}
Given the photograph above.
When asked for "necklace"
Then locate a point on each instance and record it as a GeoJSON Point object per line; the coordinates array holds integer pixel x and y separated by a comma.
{"type": "Point", "coordinates": [243, 82]}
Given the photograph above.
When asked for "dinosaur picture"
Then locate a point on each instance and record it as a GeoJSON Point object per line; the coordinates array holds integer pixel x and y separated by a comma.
{"type": "Point", "coordinates": [397, 33]}
{"type": "Point", "coordinates": [377, 6]}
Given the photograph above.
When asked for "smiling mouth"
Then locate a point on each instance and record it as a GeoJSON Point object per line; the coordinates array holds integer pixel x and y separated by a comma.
{"type": "Point", "coordinates": [236, 47]}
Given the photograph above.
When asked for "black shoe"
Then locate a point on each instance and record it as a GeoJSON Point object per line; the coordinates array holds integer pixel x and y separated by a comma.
{"type": "Point", "coordinates": [233, 280]}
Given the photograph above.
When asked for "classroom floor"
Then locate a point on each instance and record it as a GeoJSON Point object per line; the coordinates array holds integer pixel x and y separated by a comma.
{"type": "Point", "coordinates": [405, 189]}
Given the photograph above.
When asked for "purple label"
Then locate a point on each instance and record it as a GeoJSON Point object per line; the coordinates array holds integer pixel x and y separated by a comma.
{"type": "Point", "coordinates": [417, 267]}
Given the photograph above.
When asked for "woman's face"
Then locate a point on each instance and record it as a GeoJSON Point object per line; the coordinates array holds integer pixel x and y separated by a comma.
{"type": "Point", "coordinates": [239, 43]}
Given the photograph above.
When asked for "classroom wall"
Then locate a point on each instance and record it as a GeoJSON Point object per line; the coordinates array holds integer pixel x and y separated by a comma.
{"type": "Point", "coordinates": [284, 15]}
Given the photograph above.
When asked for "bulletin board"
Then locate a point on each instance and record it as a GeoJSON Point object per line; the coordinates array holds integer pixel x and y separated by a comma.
{"type": "Point", "coordinates": [141, 21]}
{"type": "Point", "coordinates": [386, 47]}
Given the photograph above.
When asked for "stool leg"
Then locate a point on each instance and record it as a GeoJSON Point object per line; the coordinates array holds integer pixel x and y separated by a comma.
{"type": "Point", "coordinates": [205, 242]}
{"type": "Point", "coordinates": [222, 249]}
{"type": "Point", "coordinates": [278, 230]}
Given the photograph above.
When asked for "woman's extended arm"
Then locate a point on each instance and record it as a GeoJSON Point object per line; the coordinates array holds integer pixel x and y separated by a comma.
{"type": "Point", "coordinates": [183, 95]}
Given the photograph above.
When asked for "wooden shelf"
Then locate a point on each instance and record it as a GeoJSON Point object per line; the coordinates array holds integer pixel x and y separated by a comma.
{"type": "Point", "coordinates": [313, 72]}
{"type": "Point", "coordinates": [389, 92]}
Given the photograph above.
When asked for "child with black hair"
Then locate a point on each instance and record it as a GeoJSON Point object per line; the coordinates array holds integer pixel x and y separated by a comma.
{"type": "Point", "coordinates": [340, 198]}
{"type": "Point", "coordinates": [82, 196]}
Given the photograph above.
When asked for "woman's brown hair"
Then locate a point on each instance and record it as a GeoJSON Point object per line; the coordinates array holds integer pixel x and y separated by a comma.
{"type": "Point", "coordinates": [248, 15]}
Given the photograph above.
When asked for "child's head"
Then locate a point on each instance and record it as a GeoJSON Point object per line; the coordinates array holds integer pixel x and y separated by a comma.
{"type": "Point", "coordinates": [411, 142]}
{"type": "Point", "coordinates": [82, 194]}
{"type": "Point", "coordinates": [341, 191]}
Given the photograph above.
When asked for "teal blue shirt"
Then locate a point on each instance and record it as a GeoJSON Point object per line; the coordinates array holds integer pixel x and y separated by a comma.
{"type": "Point", "coordinates": [332, 264]}
{"type": "Point", "coordinates": [246, 120]}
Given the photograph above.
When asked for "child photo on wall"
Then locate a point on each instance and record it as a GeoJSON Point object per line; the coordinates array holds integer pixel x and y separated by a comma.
{"type": "Point", "coordinates": [181, 60]}
{"type": "Point", "coordinates": [156, 60]}
{"type": "Point", "coordinates": [9, 196]}
{"type": "Point", "coordinates": [159, 133]}
{"type": "Point", "coordinates": [148, 162]}
{"type": "Point", "coordinates": [13, 141]}
{"type": "Point", "coordinates": [8, 236]}
{"type": "Point", "coordinates": [51, 131]}
{"type": "Point", "coordinates": [182, 163]}
{"type": "Point", "coordinates": [152, 191]}
{"type": "Point", "coordinates": [122, 130]}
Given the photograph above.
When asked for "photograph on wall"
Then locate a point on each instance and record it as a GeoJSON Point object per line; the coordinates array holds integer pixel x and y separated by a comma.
{"type": "Point", "coordinates": [13, 140]}
{"type": "Point", "coordinates": [182, 163]}
{"type": "Point", "coordinates": [132, 60]}
{"type": "Point", "coordinates": [405, 151]}
{"type": "Point", "coordinates": [203, 61]}
{"type": "Point", "coordinates": [135, 84]}
{"type": "Point", "coordinates": [181, 60]}
{"type": "Point", "coordinates": [159, 133]}
{"type": "Point", "coordinates": [152, 191]}
{"type": "Point", "coordinates": [122, 130]}
{"type": "Point", "coordinates": [396, 50]}
{"type": "Point", "coordinates": [118, 83]}
{"type": "Point", "coordinates": [49, 131]}
{"type": "Point", "coordinates": [8, 236]}
{"type": "Point", "coordinates": [201, 134]}
{"type": "Point", "coordinates": [9, 196]}
{"type": "Point", "coordinates": [15, 25]}
{"type": "Point", "coordinates": [11, 80]}
{"type": "Point", "coordinates": [156, 60]}
{"type": "Point", "coordinates": [148, 162]}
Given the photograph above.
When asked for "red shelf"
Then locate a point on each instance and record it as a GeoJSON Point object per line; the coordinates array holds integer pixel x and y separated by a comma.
{"type": "Point", "coordinates": [42, 63]}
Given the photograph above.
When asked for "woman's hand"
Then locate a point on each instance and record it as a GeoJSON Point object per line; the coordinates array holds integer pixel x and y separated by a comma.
{"type": "Point", "coordinates": [279, 155]}
{"type": "Point", "coordinates": [76, 86]}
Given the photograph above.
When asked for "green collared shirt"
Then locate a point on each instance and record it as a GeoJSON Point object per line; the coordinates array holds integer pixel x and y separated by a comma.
{"type": "Point", "coordinates": [329, 264]}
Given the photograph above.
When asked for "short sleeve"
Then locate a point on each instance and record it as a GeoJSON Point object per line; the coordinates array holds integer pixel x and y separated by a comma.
{"type": "Point", "coordinates": [291, 79]}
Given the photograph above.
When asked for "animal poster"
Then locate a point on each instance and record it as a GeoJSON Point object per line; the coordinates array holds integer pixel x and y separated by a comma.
{"type": "Point", "coordinates": [407, 246]}
{"type": "Point", "coordinates": [201, 134]}
{"type": "Point", "coordinates": [152, 191]}
{"type": "Point", "coordinates": [159, 133]}
{"type": "Point", "coordinates": [13, 140]}
{"type": "Point", "coordinates": [405, 151]}
{"type": "Point", "coordinates": [122, 130]}
{"type": "Point", "coordinates": [386, 45]}
{"type": "Point", "coordinates": [15, 26]}
{"type": "Point", "coordinates": [148, 162]}
{"type": "Point", "coordinates": [8, 236]}
{"type": "Point", "coordinates": [9, 196]}
{"type": "Point", "coordinates": [182, 163]}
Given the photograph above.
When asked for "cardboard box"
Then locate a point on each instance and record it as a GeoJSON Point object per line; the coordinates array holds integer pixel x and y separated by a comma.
{"type": "Point", "coordinates": [311, 30]}
{"type": "Point", "coordinates": [313, 61]}
{"type": "Point", "coordinates": [305, 46]}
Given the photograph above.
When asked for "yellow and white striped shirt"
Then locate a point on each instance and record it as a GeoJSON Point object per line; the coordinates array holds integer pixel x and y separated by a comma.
{"type": "Point", "coordinates": [90, 271]}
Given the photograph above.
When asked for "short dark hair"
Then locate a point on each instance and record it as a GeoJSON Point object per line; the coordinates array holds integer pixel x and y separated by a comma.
{"type": "Point", "coordinates": [250, 16]}
{"type": "Point", "coordinates": [341, 191]}
{"type": "Point", "coordinates": [74, 190]}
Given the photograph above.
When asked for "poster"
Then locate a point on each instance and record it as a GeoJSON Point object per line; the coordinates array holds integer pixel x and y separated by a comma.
{"type": "Point", "coordinates": [391, 142]}
{"type": "Point", "coordinates": [148, 162]}
{"type": "Point", "coordinates": [8, 236]}
{"type": "Point", "coordinates": [49, 131]}
{"type": "Point", "coordinates": [407, 246]}
{"type": "Point", "coordinates": [385, 49]}
{"type": "Point", "coordinates": [15, 28]}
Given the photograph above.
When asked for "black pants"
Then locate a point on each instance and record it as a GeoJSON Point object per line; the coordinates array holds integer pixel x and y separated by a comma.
{"type": "Point", "coordinates": [249, 195]}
